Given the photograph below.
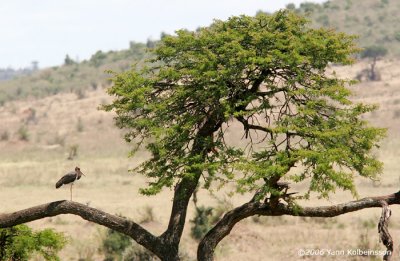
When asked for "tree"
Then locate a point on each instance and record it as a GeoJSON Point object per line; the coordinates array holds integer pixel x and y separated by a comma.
{"type": "Point", "coordinates": [266, 73]}
{"type": "Point", "coordinates": [35, 65]}
{"type": "Point", "coordinates": [373, 52]}
{"type": "Point", "coordinates": [20, 242]}
{"type": "Point", "coordinates": [97, 59]}
{"type": "Point", "coordinates": [291, 6]}
{"type": "Point", "coordinates": [150, 43]}
{"type": "Point", "coordinates": [68, 60]}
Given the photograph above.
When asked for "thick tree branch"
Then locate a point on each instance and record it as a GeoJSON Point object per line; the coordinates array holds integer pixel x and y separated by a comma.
{"type": "Point", "coordinates": [185, 188]}
{"type": "Point", "coordinates": [383, 230]}
{"type": "Point", "coordinates": [208, 244]}
{"type": "Point", "coordinates": [123, 225]}
{"type": "Point", "coordinates": [257, 82]}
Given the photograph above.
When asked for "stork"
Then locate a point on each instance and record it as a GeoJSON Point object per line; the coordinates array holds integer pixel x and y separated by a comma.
{"type": "Point", "coordinates": [70, 177]}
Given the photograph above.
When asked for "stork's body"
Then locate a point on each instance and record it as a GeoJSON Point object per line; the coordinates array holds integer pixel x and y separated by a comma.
{"type": "Point", "coordinates": [70, 178]}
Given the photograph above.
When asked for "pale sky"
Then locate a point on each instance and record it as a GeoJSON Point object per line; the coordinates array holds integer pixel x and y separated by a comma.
{"type": "Point", "coordinates": [47, 30]}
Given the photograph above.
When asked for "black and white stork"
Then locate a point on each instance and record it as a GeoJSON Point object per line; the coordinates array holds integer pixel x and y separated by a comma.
{"type": "Point", "coordinates": [70, 177]}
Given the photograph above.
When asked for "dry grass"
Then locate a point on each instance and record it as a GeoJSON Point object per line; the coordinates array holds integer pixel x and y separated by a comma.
{"type": "Point", "coordinates": [29, 170]}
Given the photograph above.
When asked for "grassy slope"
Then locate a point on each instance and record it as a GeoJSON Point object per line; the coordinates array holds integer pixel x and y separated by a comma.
{"type": "Point", "coordinates": [373, 20]}
{"type": "Point", "coordinates": [76, 77]}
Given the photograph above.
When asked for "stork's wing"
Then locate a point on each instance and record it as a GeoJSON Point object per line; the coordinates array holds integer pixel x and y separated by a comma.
{"type": "Point", "coordinates": [66, 179]}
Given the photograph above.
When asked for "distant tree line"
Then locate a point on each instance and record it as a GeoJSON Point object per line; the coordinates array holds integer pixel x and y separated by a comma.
{"type": "Point", "coordinates": [9, 73]}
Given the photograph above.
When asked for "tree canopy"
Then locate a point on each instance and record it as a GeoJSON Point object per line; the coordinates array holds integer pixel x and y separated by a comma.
{"type": "Point", "coordinates": [374, 51]}
{"type": "Point", "coordinates": [269, 74]}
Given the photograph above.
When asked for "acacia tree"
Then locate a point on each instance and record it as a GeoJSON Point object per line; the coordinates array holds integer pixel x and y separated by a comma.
{"type": "Point", "coordinates": [373, 52]}
{"type": "Point", "coordinates": [268, 75]}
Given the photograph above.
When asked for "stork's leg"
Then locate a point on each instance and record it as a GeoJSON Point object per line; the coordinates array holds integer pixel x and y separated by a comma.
{"type": "Point", "coordinates": [71, 190]}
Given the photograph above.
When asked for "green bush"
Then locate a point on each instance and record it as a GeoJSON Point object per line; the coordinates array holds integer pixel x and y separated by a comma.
{"type": "Point", "coordinates": [138, 253]}
{"type": "Point", "coordinates": [309, 7]}
{"type": "Point", "coordinates": [98, 58]}
{"type": "Point", "coordinates": [23, 133]}
{"type": "Point", "coordinates": [202, 222]}
{"type": "Point", "coordinates": [397, 36]}
{"type": "Point", "coordinates": [115, 244]}
{"type": "Point", "coordinates": [323, 19]}
{"type": "Point", "coordinates": [68, 61]}
{"type": "Point", "coordinates": [20, 243]}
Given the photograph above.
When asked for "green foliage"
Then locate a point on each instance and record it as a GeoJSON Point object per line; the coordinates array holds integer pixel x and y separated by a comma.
{"type": "Point", "coordinates": [373, 27]}
{"type": "Point", "coordinates": [201, 222]}
{"type": "Point", "coordinates": [20, 243]}
{"type": "Point", "coordinates": [374, 52]}
{"type": "Point", "coordinates": [397, 36]}
{"type": "Point", "coordinates": [139, 253]}
{"type": "Point", "coordinates": [206, 217]}
{"type": "Point", "coordinates": [291, 6]}
{"type": "Point", "coordinates": [349, 4]}
{"type": "Point", "coordinates": [384, 2]}
{"type": "Point", "coordinates": [309, 7]}
{"type": "Point", "coordinates": [68, 60]}
{"type": "Point", "coordinates": [97, 58]}
{"type": "Point", "coordinates": [266, 73]}
{"type": "Point", "coordinates": [23, 133]}
{"type": "Point", "coordinates": [115, 244]}
{"type": "Point", "coordinates": [323, 19]}
{"type": "Point", "coordinates": [150, 43]}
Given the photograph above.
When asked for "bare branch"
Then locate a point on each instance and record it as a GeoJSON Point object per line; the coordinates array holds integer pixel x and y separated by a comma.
{"type": "Point", "coordinates": [224, 226]}
{"type": "Point", "coordinates": [247, 126]}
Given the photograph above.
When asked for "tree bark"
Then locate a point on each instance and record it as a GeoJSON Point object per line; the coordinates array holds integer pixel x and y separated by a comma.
{"type": "Point", "coordinates": [383, 230]}
{"type": "Point", "coordinates": [185, 188]}
{"type": "Point", "coordinates": [210, 241]}
{"type": "Point", "coordinates": [122, 225]}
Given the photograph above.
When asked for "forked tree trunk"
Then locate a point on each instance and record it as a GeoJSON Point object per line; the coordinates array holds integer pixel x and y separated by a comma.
{"type": "Point", "coordinates": [168, 252]}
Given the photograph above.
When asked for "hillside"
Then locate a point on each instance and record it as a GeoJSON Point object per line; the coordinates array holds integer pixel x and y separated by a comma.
{"type": "Point", "coordinates": [372, 20]}
{"type": "Point", "coordinates": [72, 77]}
